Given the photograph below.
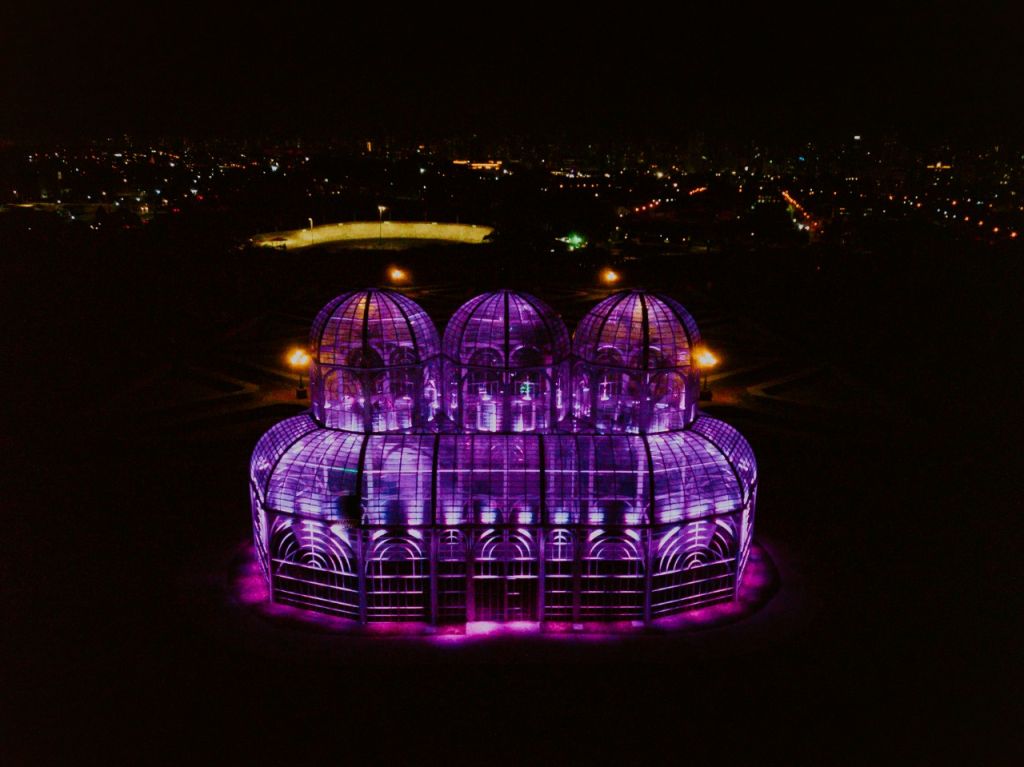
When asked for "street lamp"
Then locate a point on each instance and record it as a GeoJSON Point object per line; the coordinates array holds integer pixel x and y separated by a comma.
{"type": "Point", "coordinates": [705, 361]}
{"type": "Point", "coordinates": [299, 361]}
{"type": "Point", "coordinates": [397, 275]}
{"type": "Point", "coordinates": [311, 231]}
{"type": "Point", "coordinates": [380, 221]}
{"type": "Point", "coordinates": [610, 276]}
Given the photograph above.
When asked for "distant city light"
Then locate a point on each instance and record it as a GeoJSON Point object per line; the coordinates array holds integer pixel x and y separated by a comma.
{"type": "Point", "coordinates": [574, 240]}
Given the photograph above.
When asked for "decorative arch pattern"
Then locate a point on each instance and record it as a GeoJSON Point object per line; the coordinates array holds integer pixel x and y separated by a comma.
{"type": "Point", "coordinates": [696, 564]}
{"type": "Point", "coordinates": [313, 566]}
{"type": "Point", "coordinates": [613, 576]}
{"type": "Point", "coordinates": [396, 576]}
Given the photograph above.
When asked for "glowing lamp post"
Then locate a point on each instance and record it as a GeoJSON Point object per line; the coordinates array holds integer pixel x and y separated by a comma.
{"type": "Point", "coordinates": [705, 361]}
{"type": "Point", "coordinates": [380, 221]}
{"type": "Point", "coordinates": [299, 361]}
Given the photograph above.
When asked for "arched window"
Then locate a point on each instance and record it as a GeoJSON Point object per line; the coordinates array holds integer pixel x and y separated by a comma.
{"type": "Point", "coordinates": [484, 377]}
{"type": "Point", "coordinates": [505, 576]}
{"type": "Point", "coordinates": [560, 554]}
{"type": "Point", "coordinates": [529, 390]}
{"type": "Point", "coordinates": [404, 376]}
{"type": "Point", "coordinates": [668, 401]}
{"type": "Point", "coordinates": [396, 578]}
{"type": "Point", "coordinates": [613, 576]}
{"type": "Point", "coordinates": [451, 576]}
{"type": "Point", "coordinates": [482, 393]}
{"type": "Point", "coordinates": [610, 379]}
{"type": "Point", "coordinates": [582, 392]}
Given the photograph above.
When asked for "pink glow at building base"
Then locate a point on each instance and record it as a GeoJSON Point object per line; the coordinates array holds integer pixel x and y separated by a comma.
{"type": "Point", "coordinates": [503, 474]}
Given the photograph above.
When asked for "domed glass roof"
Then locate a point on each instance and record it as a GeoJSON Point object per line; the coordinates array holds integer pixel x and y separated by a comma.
{"type": "Point", "coordinates": [637, 329]}
{"type": "Point", "coordinates": [506, 329]}
{"type": "Point", "coordinates": [462, 488]}
{"type": "Point", "coordinates": [373, 328]}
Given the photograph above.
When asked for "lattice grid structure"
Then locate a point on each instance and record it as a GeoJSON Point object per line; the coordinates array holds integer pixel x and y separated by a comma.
{"type": "Point", "coordinates": [504, 474]}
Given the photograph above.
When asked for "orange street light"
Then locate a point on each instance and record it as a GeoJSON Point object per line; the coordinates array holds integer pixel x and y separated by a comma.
{"type": "Point", "coordinates": [299, 361]}
{"type": "Point", "coordinates": [610, 276]}
{"type": "Point", "coordinates": [396, 274]}
{"type": "Point", "coordinates": [705, 360]}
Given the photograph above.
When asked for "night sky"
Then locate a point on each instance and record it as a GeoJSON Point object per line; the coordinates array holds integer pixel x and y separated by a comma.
{"type": "Point", "coordinates": [778, 72]}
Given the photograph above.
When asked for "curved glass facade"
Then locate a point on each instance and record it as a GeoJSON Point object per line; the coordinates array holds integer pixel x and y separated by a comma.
{"type": "Point", "coordinates": [565, 514]}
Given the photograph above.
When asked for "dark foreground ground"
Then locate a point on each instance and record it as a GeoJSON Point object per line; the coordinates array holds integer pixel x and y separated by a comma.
{"type": "Point", "coordinates": [140, 378]}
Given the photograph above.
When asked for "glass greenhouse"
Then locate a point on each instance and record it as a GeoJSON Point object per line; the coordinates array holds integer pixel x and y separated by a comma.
{"type": "Point", "coordinates": [502, 473]}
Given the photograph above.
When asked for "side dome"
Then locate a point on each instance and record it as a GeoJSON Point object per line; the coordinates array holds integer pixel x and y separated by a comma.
{"type": "Point", "coordinates": [367, 328]}
{"type": "Point", "coordinates": [634, 371]}
{"type": "Point", "coordinates": [505, 355]}
{"type": "Point", "coordinates": [639, 330]}
{"type": "Point", "coordinates": [374, 363]}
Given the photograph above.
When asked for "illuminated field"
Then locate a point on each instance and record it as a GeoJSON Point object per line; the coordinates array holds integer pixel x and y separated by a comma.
{"type": "Point", "coordinates": [373, 230]}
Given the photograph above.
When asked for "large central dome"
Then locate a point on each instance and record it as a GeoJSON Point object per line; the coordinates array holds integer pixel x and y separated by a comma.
{"type": "Point", "coordinates": [506, 329]}
{"type": "Point", "coordinates": [505, 359]}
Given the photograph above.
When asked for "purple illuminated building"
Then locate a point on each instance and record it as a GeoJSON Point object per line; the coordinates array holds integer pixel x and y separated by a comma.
{"type": "Point", "coordinates": [503, 473]}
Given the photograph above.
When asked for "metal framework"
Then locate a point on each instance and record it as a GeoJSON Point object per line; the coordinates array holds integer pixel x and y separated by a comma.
{"type": "Point", "coordinates": [502, 475]}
